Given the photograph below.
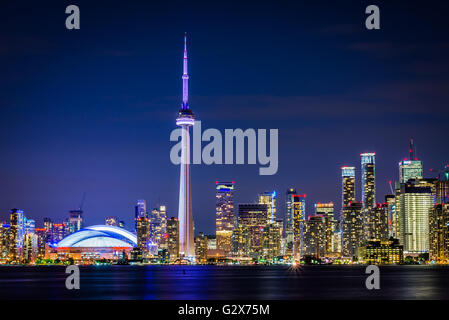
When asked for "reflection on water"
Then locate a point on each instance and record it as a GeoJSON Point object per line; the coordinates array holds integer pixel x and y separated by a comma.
{"type": "Point", "coordinates": [224, 282]}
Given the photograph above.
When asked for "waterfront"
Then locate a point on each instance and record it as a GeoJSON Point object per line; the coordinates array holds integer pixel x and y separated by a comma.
{"type": "Point", "coordinates": [224, 282]}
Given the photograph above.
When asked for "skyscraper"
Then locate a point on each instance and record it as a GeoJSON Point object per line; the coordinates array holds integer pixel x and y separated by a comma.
{"type": "Point", "coordinates": [173, 238]}
{"type": "Point", "coordinates": [368, 180]}
{"type": "Point", "coordinates": [315, 236]}
{"type": "Point", "coordinates": [352, 229]}
{"type": "Point", "coordinates": [16, 234]}
{"type": "Point", "coordinates": [411, 168]}
{"type": "Point", "coordinates": [140, 211]}
{"type": "Point", "coordinates": [75, 220]}
{"type": "Point", "coordinates": [299, 216]}
{"type": "Point", "coordinates": [326, 210]}
{"type": "Point", "coordinates": [348, 185]}
{"type": "Point", "coordinates": [201, 248]}
{"type": "Point", "coordinates": [269, 198]}
{"type": "Point", "coordinates": [185, 120]}
{"type": "Point", "coordinates": [439, 233]}
{"type": "Point", "coordinates": [225, 219]}
{"type": "Point", "coordinates": [288, 231]}
{"type": "Point", "coordinates": [376, 223]}
{"type": "Point", "coordinates": [254, 217]}
{"type": "Point", "coordinates": [416, 200]}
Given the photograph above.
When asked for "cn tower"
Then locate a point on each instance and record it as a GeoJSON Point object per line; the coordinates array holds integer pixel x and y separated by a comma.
{"type": "Point", "coordinates": [185, 119]}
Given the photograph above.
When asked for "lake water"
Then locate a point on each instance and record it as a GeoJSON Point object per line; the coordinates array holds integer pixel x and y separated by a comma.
{"type": "Point", "coordinates": [224, 282]}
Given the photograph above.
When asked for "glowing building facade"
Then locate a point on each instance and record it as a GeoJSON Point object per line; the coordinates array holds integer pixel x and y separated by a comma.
{"type": "Point", "coordinates": [225, 218]}
{"type": "Point", "coordinates": [269, 199]}
{"type": "Point", "coordinates": [410, 169]}
{"type": "Point", "coordinates": [173, 238]}
{"type": "Point", "coordinates": [254, 217]}
{"type": "Point", "coordinates": [376, 223]}
{"type": "Point", "coordinates": [368, 180]}
{"type": "Point", "coordinates": [185, 120]}
{"type": "Point", "coordinates": [439, 233]}
{"type": "Point", "coordinates": [299, 216]}
{"type": "Point", "coordinates": [348, 185]}
{"type": "Point", "coordinates": [352, 229]}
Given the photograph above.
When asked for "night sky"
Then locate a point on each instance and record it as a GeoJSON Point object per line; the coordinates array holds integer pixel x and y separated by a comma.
{"type": "Point", "coordinates": [91, 110]}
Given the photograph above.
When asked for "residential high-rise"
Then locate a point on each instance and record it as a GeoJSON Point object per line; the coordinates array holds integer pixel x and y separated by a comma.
{"type": "Point", "coordinates": [368, 180]}
{"type": "Point", "coordinates": [16, 234]}
{"type": "Point", "coordinates": [30, 247]}
{"type": "Point", "coordinates": [326, 210]}
{"type": "Point", "coordinates": [352, 229]}
{"type": "Point", "coordinates": [271, 241]}
{"type": "Point", "coordinates": [315, 236]}
{"type": "Point", "coordinates": [48, 225]}
{"type": "Point", "coordinates": [299, 216]}
{"type": "Point", "coordinates": [201, 248]}
{"type": "Point", "coordinates": [241, 241]}
{"type": "Point", "coordinates": [393, 216]}
{"type": "Point", "coordinates": [4, 240]}
{"type": "Point", "coordinates": [75, 220]}
{"type": "Point", "coordinates": [439, 233]}
{"type": "Point", "coordinates": [269, 198]}
{"type": "Point", "coordinates": [416, 199]}
{"type": "Point", "coordinates": [158, 225]}
{"type": "Point", "coordinates": [225, 218]}
{"type": "Point", "coordinates": [173, 238]}
{"type": "Point", "coordinates": [376, 223]}
{"type": "Point", "coordinates": [288, 227]}
{"type": "Point", "coordinates": [254, 217]}
{"type": "Point", "coordinates": [143, 236]}
{"type": "Point", "coordinates": [348, 185]}
{"type": "Point", "coordinates": [185, 120]}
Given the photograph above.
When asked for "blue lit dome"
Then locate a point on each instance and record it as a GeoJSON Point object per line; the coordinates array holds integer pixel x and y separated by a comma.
{"type": "Point", "coordinates": [99, 236]}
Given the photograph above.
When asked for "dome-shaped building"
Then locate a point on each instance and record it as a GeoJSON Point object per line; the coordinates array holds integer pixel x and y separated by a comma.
{"type": "Point", "coordinates": [97, 242]}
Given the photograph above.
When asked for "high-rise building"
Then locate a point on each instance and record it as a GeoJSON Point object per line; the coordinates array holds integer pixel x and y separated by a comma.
{"type": "Point", "coordinates": [30, 247]}
{"type": "Point", "coordinates": [143, 236]}
{"type": "Point", "coordinates": [271, 241]}
{"type": "Point", "coordinates": [255, 218]}
{"type": "Point", "coordinates": [41, 241]}
{"type": "Point", "coordinates": [225, 218]}
{"type": "Point", "coordinates": [299, 216]}
{"type": "Point", "coordinates": [368, 180]}
{"type": "Point", "coordinates": [158, 225]}
{"type": "Point", "coordinates": [348, 185]}
{"type": "Point", "coordinates": [376, 223]}
{"type": "Point", "coordinates": [326, 210]}
{"type": "Point", "coordinates": [410, 168]}
{"type": "Point", "coordinates": [288, 227]}
{"type": "Point", "coordinates": [48, 226]}
{"type": "Point", "coordinates": [140, 210]}
{"type": "Point", "coordinates": [75, 221]}
{"type": "Point", "coordinates": [241, 241]}
{"type": "Point", "coordinates": [439, 233]}
{"type": "Point", "coordinates": [442, 193]}
{"type": "Point", "coordinates": [315, 236]}
{"type": "Point", "coordinates": [4, 241]}
{"type": "Point", "coordinates": [269, 199]}
{"type": "Point", "coordinates": [201, 248]}
{"type": "Point", "coordinates": [173, 238]}
{"type": "Point", "coordinates": [393, 216]}
{"type": "Point", "coordinates": [16, 234]}
{"type": "Point", "coordinates": [416, 199]}
{"type": "Point", "coordinates": [185, 120]}
{"type": "Point", "coordinates": [352, 229]}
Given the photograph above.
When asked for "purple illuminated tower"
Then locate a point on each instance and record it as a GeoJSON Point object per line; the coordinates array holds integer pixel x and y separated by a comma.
{"type": "Point", "coordinates": [185, 119]}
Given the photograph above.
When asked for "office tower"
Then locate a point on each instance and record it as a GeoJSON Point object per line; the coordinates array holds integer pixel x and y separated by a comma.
{"type": "Point", "coordinates": [75, 222]}
{"type": "Point", "coordinates": [393, 216]}
{"type": "Point", "coordinates": [255, 218]}
{"type": "Point", "coordinates": [29, 225]}
{"type": "Point", "coordinates": [48, 226]}
{"type": "Point", "coordinates": [16, 234]}
{"type": "Point", "coordinates": [416, 199]}
{"type": "Point", "coordinates": [348, 185]}
{"type": "Point", "coordinates": [269, 199]}
{"type": "Point", "coordinates": [352, 229]}
{"type": "Point", "coordinates": [330, 224]}
{"type": "Point", "coordinates": [185, 120]}
{"type": "Point", "coordinates": [288, 231]}
{"type": "Point", "coordinates": [225, 219]}
{"type": "Point", "coordinates": [201, 248]}
{"type": "Point", "coordinates": [140, 210]}
{"type": "Point", "coordinates": [241, 241]}
{"type": "Point", "coordinates": [412, 168]}
{"type": "Point", "coordinates": [41, 241]}
{"type": "Point", "coordinates": [143, 235]}
{"type": "Point", "coordinates": [173, 238]}
{"type": "Point", "coordinates": [382, 252]}
{"type": "Point", "coordinates": [439, 233]}
{"type": "Point", "coordinates": [4, 240]}
{"type": "Point", "coordinates": [112, 221]}
{"type": "Point", "coordinates": [158, 224]}
{"type": "Point", "coordinates": [442, 186]}
{"type": "Point", "coordinates": [315, 236]}
{"type": "Point", "coordinates": [59, 232]}
{"type": "Point", "coordinates": [30, 247]}
{"type": "Point", "coordinates": [368, 180]}
{"type": "Point", "coordinates": [271, 241]}
{"type": "Point", "coordinates": [299, 215]}
{"type": "Point", "coordinates": [376, 223]}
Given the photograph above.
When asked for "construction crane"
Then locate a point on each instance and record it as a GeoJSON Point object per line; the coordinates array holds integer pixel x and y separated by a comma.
{"type": "Point", "coordinates": [82, 201]}
{"type": "Point", "coordinates": [391, 187]}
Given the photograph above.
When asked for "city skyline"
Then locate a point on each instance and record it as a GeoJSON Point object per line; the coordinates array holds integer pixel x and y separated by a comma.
{"type": "Point", "coordinates": [82, 120]}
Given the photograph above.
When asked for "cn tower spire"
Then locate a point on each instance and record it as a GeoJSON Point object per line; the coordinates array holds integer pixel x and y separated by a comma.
{"type": "Point", "coordinates": [185, 78]}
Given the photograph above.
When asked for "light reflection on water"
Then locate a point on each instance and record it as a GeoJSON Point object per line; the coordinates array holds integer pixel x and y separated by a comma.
{"type": "Point", "coordinates": [224, 282]}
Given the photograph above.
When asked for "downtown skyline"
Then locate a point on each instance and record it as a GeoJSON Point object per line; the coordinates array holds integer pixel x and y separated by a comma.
{"type": "Point", "coordinates": [106, 130]}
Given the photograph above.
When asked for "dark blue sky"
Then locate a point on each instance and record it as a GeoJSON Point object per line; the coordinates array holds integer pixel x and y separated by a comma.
{"type": "Point", "coordinates": [91, 110]}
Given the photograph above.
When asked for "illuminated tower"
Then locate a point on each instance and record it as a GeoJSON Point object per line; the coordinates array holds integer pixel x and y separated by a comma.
{"type": "Point", "coordinates": [410, 168]}
{"type": "Point", "coordinates": [368, 180]}
{"type": "Point", "coordinates": [269, 198]}
{"type": "Point", "coordinates": [224, 195]}
{"type": "Point", "coordinates": [348, 185]}
{"type": "Point", "coordinates": [185, 119]}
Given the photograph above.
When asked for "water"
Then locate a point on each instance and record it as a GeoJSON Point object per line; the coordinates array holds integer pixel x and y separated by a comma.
{"type": "Point", "coordinates": [224, 282]}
